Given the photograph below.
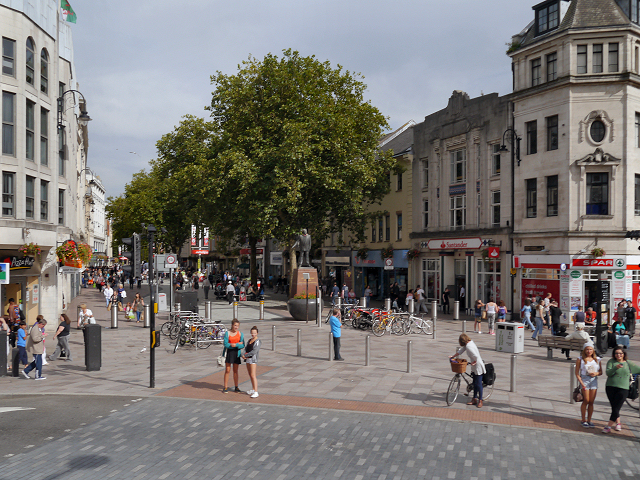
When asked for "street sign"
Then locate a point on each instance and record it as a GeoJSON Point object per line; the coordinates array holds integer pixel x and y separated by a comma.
{"type": "Point", "coordinates": [171, 259]}
{"type": "Point", "coordinates": [388, 263]}
{"type": "Point", "coordinates": [4, 273]}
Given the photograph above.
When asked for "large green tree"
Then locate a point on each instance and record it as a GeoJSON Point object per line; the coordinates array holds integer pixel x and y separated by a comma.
{"type": "Point", "coordinates": [297, 148]}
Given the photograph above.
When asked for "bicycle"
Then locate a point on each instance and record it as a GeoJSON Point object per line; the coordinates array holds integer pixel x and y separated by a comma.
{"type": "Point", "coordinates": [636, 402]}
{"type": "Point", "coordinates": [454, 387]}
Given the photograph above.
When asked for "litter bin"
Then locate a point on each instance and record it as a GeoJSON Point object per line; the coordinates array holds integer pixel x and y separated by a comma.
{"type": "Point", "coordinates": [188, 301]}
{"type": "Point", "coordinates": [3, 355]}
{"type": "Point", "coordinates": [15, 363]}
{"type": "Point", "coordinates": [92, 347]}
{"type": "Point", "coordinates": [509, 337]}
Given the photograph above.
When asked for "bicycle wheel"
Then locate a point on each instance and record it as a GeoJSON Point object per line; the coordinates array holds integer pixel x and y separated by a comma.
{"type": "Point", "coordinates": [454, 388]}
{"type": "Point", "coordinates": [166, 328]}
{"type": "Point", "coordinates": [378, 328]}
{"type": "Point", "coordinates": [175, 348]}
{"type": "Point", "coordinates": [426, 327]}
{"type": "Point", "coordinates": [487, 390]}
{"type": "Point", "coordinates": [396, 326]}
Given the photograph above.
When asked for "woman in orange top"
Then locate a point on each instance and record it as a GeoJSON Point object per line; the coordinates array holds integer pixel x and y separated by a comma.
{"type": "Point", "coordinates": [233, 345]}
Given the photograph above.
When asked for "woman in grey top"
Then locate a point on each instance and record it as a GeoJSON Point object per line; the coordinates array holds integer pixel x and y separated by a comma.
{"type": "Point", "coordinates": [250, 355]}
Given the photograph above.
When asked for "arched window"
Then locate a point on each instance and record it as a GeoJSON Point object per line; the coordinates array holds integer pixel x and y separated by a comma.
{"type": "Point", "coordinates": [44, 71]}
{"type": "Point", "coordinates": [30, 61]}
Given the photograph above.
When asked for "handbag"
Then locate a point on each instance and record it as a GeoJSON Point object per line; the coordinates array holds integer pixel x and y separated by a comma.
{"type": "Point", "coordinates": [119, 306]}
{"type": "Point", "coordinates": [484, 314]}
{"type": "Point", "coordinates": [577, 394]}
{"type": "Point", "coordinates": [222, 358]}
{"type": "Point", "coordinates": [109, 306]}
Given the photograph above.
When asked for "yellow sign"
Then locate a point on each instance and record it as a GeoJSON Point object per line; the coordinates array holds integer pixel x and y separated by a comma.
{"type": "Point", "coordinates": [513, 271]}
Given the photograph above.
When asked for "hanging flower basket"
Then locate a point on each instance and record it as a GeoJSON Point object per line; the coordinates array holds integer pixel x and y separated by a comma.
{"type": "Point", "coordinates": [485, 254]}
{"type": "Point", "coordinates": [73, 254]}
{"type": "Point", "coordinates": [362, 253]}
{"type": "Point", "coordinates": [30, 249]}
{"type": "Point", "coordinates": [413, 253]}
{"type": "Point", "coordinates": [598, 252]}
{"type": "Point", "coordinates": [387, 252]}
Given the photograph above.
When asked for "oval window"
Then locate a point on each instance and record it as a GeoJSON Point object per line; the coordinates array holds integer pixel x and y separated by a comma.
{"type": "Point", "coordinates": [597, 131]}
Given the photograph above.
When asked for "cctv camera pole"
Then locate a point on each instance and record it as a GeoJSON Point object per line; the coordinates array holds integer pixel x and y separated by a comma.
{"type": "Point", "coordinates": [152, 354]}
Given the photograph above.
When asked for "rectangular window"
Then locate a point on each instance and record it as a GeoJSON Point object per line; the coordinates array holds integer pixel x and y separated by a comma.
{"type": "Point", "coordinates": [495, 208]}
{"type": "Point", "coordinates": [8, 194]}
{"type": "Point", "coordinates": [459, 166]}
{"type": "Point", "coordinates": [399, 180]}
{"type": "Point", "coordinates": [30, 130]}
{"type": "Point", "coordinates": [532, 197]}
{"type": "Point", "coordinates": [552, 133]}
{"type": "Point", "coordinates": [425, 214]}
{"type": "Point", "coordinates": [634, 10]}
{"type": "Point", "coordinates": [60, 207]}
{"type": "Point", "coordinates": [399, 223]}
{"type": "Point", "coordinates": [44, 136]}
{"type": "Point", "coordinates": [637, 129]}
{"type": "Point", "coordinates": [495, 159]}
{"type": "Point", "coordinates": [458, 212]}
{"type": "Point", "coordinates": [597, 58]}
{"type": "Point", "coordinates": [547, 18]}
{"type": "Point", "coordinates": [373, 231]}
{"type": "Point", "coordinates": [637, 195]}
{"type": "Point", "coordinates": [552, 66]}
{"type": "Point", "coordinates": [552, 196]}
{"type": "Point", "coordinates": [387, 230]}
{"type": "Point", "coordinates": [613, 57]}
{"type": "Point", "coordinates": [61, 152]}
{"type": "Point", "coordinates": [8, 124]}
{"type": "Point", "coordinates": [532, 137]}
{"type": "Point", "coordinates": [44, 200]}
{"type": "Point", "coordinates": [30, 197]}
{"type": "Point", "coordinates": [597, 194]}
{"type": "Point", "coordinates": [536, 72]}
{"type": "Point", "coordinates": [380, 231]}
{"type": "Point", "coordinates": [582, 59]}
{"type": "Point", "coordinates": [8, 57]}
{"type": "Point", "coordinates": [425, 174]}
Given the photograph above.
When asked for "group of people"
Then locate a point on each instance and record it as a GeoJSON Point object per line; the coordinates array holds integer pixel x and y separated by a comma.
{"type": "Point", "coordinates": [492, 312]}
{"type": "Point", "coordinates": [545, 312]}
{"type": "Point", "coordinates": [233, 354]}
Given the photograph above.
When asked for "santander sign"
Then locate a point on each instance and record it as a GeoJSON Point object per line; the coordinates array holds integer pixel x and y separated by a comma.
{"type": "Point", "coordinates": [455, 244]}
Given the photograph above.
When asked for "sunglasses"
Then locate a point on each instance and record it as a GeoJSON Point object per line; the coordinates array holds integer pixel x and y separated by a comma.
{"type": "Point", "coordinates": [619, 353]}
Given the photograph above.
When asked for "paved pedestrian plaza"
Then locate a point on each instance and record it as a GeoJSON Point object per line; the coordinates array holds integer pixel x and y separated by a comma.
{"type": "Point", "coordinates": [315, 418]}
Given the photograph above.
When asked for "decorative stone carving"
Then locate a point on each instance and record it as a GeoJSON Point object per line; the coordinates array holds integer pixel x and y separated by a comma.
{"type": "Point", "coordinates": [588, 120]}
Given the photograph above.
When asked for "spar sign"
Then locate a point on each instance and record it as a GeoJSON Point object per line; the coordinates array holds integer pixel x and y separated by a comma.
{"type": "Point", "coordinates": [455, 244]}
{"type": "Point", "coordinates": [602, 262]}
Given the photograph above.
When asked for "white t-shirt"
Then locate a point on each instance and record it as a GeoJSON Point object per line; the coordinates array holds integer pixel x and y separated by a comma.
{"type": "Point", "coordinates": [86, 317]}
{"type": "Point", "coordinates": [420, 294]}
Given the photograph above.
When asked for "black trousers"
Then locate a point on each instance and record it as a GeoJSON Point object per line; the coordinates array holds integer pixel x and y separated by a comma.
{"type": "Point", "coordinates": [445, 307]}
{"type": "Point", "coordinates": [336, 348]}
{"type": "Point", "coordinates": [230, 297]}
{"type": "Point", "coordinates": [616, 397]}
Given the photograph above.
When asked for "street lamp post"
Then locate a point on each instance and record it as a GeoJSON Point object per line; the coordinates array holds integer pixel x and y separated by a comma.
{"type": "Point", "coordinates": [515, 154]}
{"type": "Point", "coordinates": [84, 117]}
{"type": "Point", "coordinates": [151, 230]}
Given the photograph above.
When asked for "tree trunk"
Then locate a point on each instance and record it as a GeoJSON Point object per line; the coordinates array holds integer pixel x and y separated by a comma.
{"type": "Point", "coordinates": [253, 241]}
{"type": "Point", "coordinates": [293, 264]}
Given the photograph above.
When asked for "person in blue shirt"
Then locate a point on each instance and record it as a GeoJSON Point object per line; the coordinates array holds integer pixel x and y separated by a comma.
{"type": "Point", "coordinates": [22, 343]}
{"type": "Point", "coordinates": [336, 330]}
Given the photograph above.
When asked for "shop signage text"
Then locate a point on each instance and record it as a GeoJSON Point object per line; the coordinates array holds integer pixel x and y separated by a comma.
{"type": "Point", "coordinates": [199, 252]}
{"type": "Point", "coordinates": [247, 251]}
{"type": "Point", "coordinates": [454, 244]}
{"type": "Point", "coordinates": [598, 263]}
{"type": "Point", "coordinates": [19, 263]}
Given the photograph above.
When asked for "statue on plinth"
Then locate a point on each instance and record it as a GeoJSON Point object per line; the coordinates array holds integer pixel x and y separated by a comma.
{"type": "Point", "coordinates": [303, 243]}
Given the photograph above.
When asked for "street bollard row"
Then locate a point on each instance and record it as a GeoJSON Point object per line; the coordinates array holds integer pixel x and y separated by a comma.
{"type": "Point", "coordinates": [514, 373]}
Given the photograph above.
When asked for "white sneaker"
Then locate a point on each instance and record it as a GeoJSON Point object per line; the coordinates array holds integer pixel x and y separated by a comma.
{"type": "Point", "coordinates": [41, 378]}
{"type": "Point", "coordinates": [250, 392]}
{"type": "Point", "coordinates": [254, 395]}
{"type": "Point", "coordinates": [25, 374]}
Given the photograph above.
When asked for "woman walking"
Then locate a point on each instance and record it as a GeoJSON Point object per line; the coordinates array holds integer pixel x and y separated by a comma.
{"type": "Point", "coordinates": [526, 311]}
{"type": "Point", "coordinates": [251, 352]}
{"type": "Point", "coordinates": [62, 336]}
{"type": "Point", "coordinates": [469, 346]}
{"type": "Point", "coordinates": [233, 345]}
{"type": "Point", "coordinates": [588, 369]}
{"type": "Point", "coordinates": [492, 309]}
{"type": "Point", "coordinates": [617, 388]}
{"type": "Point", "coordinates": [138, 306]}
{"type": "Point", "coordinates": [477, 326]}
{"type": "Point", "coordinates": [539, 320]}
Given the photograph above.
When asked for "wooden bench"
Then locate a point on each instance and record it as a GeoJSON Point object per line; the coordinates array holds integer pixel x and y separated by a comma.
{"type": "Point", "coordinates": [552, 342]}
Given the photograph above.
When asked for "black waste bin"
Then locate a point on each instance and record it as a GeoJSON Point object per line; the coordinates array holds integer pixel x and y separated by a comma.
{"type": "Point", "coordinates": [15, 362]}
{"type": "Point", "coordinates": [3, 356]}
{"type": "Point", "coordinates": [92, 347]}
{"type": "Point", "coordinates": [188, 301]}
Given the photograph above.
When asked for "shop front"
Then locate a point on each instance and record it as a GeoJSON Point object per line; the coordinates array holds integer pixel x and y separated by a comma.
{"type": "Point", "coordinates": [379, 274]}
{"type": "Point", "coordinates": [23, 286]}
{"type": "Point", "coordinates": [337, 267]}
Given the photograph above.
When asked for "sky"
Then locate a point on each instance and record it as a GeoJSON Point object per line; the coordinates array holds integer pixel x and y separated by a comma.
{"type": "Point", "coordinates": [143, 65]}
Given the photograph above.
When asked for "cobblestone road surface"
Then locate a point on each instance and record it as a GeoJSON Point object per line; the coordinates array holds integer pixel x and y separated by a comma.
{"type": "Point", "coordinates": [161, 438]}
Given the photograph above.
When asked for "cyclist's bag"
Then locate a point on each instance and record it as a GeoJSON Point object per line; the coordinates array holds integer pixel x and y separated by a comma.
{"type": "Point", "coordinates": [489, 377]}
{"type": "Point", "coordinates": [633, 389]}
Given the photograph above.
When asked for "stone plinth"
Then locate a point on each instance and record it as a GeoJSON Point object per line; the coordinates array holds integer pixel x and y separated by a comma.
{"type": "Point", "coordinates": [299, 284]}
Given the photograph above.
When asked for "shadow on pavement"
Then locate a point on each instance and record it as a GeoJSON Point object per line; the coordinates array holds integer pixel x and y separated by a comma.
{"type": "Point", "coordinates": [84, 462]}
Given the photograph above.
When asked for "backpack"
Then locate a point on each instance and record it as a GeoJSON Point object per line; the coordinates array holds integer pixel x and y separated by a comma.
{"type": "Point", "coordinates": [489, 377]}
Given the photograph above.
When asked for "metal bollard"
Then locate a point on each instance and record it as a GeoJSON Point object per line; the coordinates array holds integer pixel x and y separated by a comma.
{"type": "Point", "coordinates": [319, 308]}
{"type": "Point", "coordinates": [235, 310]}
{"type": "Point", "coordinates": [114, 316]}
{"type": "Point", "coordinates": [514, 373]}
{"type": "Point", "coordinates": [435, 321]}
{"type": "Point", "coordinates": [261, 309]}
{"type": "Point", "coordinates": [363, 302]}
{"type": "Point", "coordinates": [273, 338]}
{"type": "Point", "coordinates": [456, 310]}
{"type": "Point", "coordinates": [177, 307]}
{"type": "Point", "coordinates": [339, 303]}
{"type": "Point", "coordinates": [146, 323]}
{"type": "Point", "coordinates": [367, 351]}
{"type": "Point", "coordinates": [572, 382]}
{"type": "Point", "coordinates": [464, 326]}
{"type": "Point", "coordinates": [299, 342]}
{"type": "Point", "coordinates": [207, 310]}
{"type": "Point", "coordinates": [409, 356]}
{"type": "Point", "coordinates": [412, 305]}
{"type": "Point", "coordinates": [434, 308]}
{"type": "Point", "coordinates": [330, 346]}
{"type": "Point", "coordinates": [387, 304]}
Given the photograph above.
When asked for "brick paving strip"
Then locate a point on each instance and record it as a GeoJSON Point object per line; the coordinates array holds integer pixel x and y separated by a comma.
{"type": "Point", "coordinates": [210, 388]}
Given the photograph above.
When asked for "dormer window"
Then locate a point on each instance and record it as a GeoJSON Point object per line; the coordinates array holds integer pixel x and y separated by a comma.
{"type": "Point", "coordinates": [547, 17]}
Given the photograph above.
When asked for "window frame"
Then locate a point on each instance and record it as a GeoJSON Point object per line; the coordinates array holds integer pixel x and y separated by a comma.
{"type": "Point", "coordinates": [547, 18]}
{"type": "Point", "coordinates": [9, 125]}
{"type": "Point", "coordinates": [380, 229]}
{"type": "Point", "coordinates": [387, 229]}
{"type": "Point", "coordinates": [44, 201]}
{"type": "Point", "coordinates": [9, 57]}
{"type": "Point", "coordinates": [552, 66]}
{"type": "Point", "coordinates": [425, 213]}
{"type": "Point", "coordinates": [30, 200]}
{"type": "Point", "coordinates": [30, 131]}
{"type": "Point", "coordinates": [425, 174]}
{"type": "Point", "coordinates": [536, 71]}
{"type": "Point", "coordinates": [457, 203]}
{"type": "Point", "coordinates": [613, 52]}
{"type": "Point", "coordinates": [61, 194]}
{"type": "Point", "coordinates": [636, 209]}
{"type": "Point", "coordinates": [398, 226]}
{"type": "Point", "coordinates": [44, 71]}
{"type": "Point", "coordinates": [495, 208]}
{"type": "Point", "coordinates": [458, 158]}
{"type": "Point", "coordinates": [532, 137]}
{"type": "Point", "coordinates": [44, 136]}
{"type": "Point", "coordinates": [552, 132]}
{"type": "Point", "coordinates": [597, 55]}
{"type": "Point", "coordinates": [638, 128]}
{"type": "Point", "coordinates": [495, 160]}
{"type": "Point", "coordinates": [552, 195]}
{"type": "Point", "coordinates": [399, 182]}
{"type": "Point", "coordinates": [531, 189]}
{"type": "Point", "coordinates": [9, 194]}
{"type": "Point", "coordinates": [602, 207]}
{"type": "Point", "coordinates": [30, 61]}
{"type": "Point", "coordinates": [581, 59]}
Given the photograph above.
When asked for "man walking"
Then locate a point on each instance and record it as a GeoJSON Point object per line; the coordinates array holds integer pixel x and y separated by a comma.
{"type": "Point", "coordinates": [108, 293]}
{"type": "Point", "coordinates": [335, 293]}
{"type": "Point", "coordinates": [445, 300]}
{"type": "Point", "coordinates": [336, 331]}
{"type": "Point", "coordinates": [421, 300]}
{"type": "Point", "coordinates": [35, 347]}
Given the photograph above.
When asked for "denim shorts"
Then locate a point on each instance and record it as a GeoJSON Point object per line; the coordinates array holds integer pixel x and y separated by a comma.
{"type": "Point", "coordinates": [590, 383]}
